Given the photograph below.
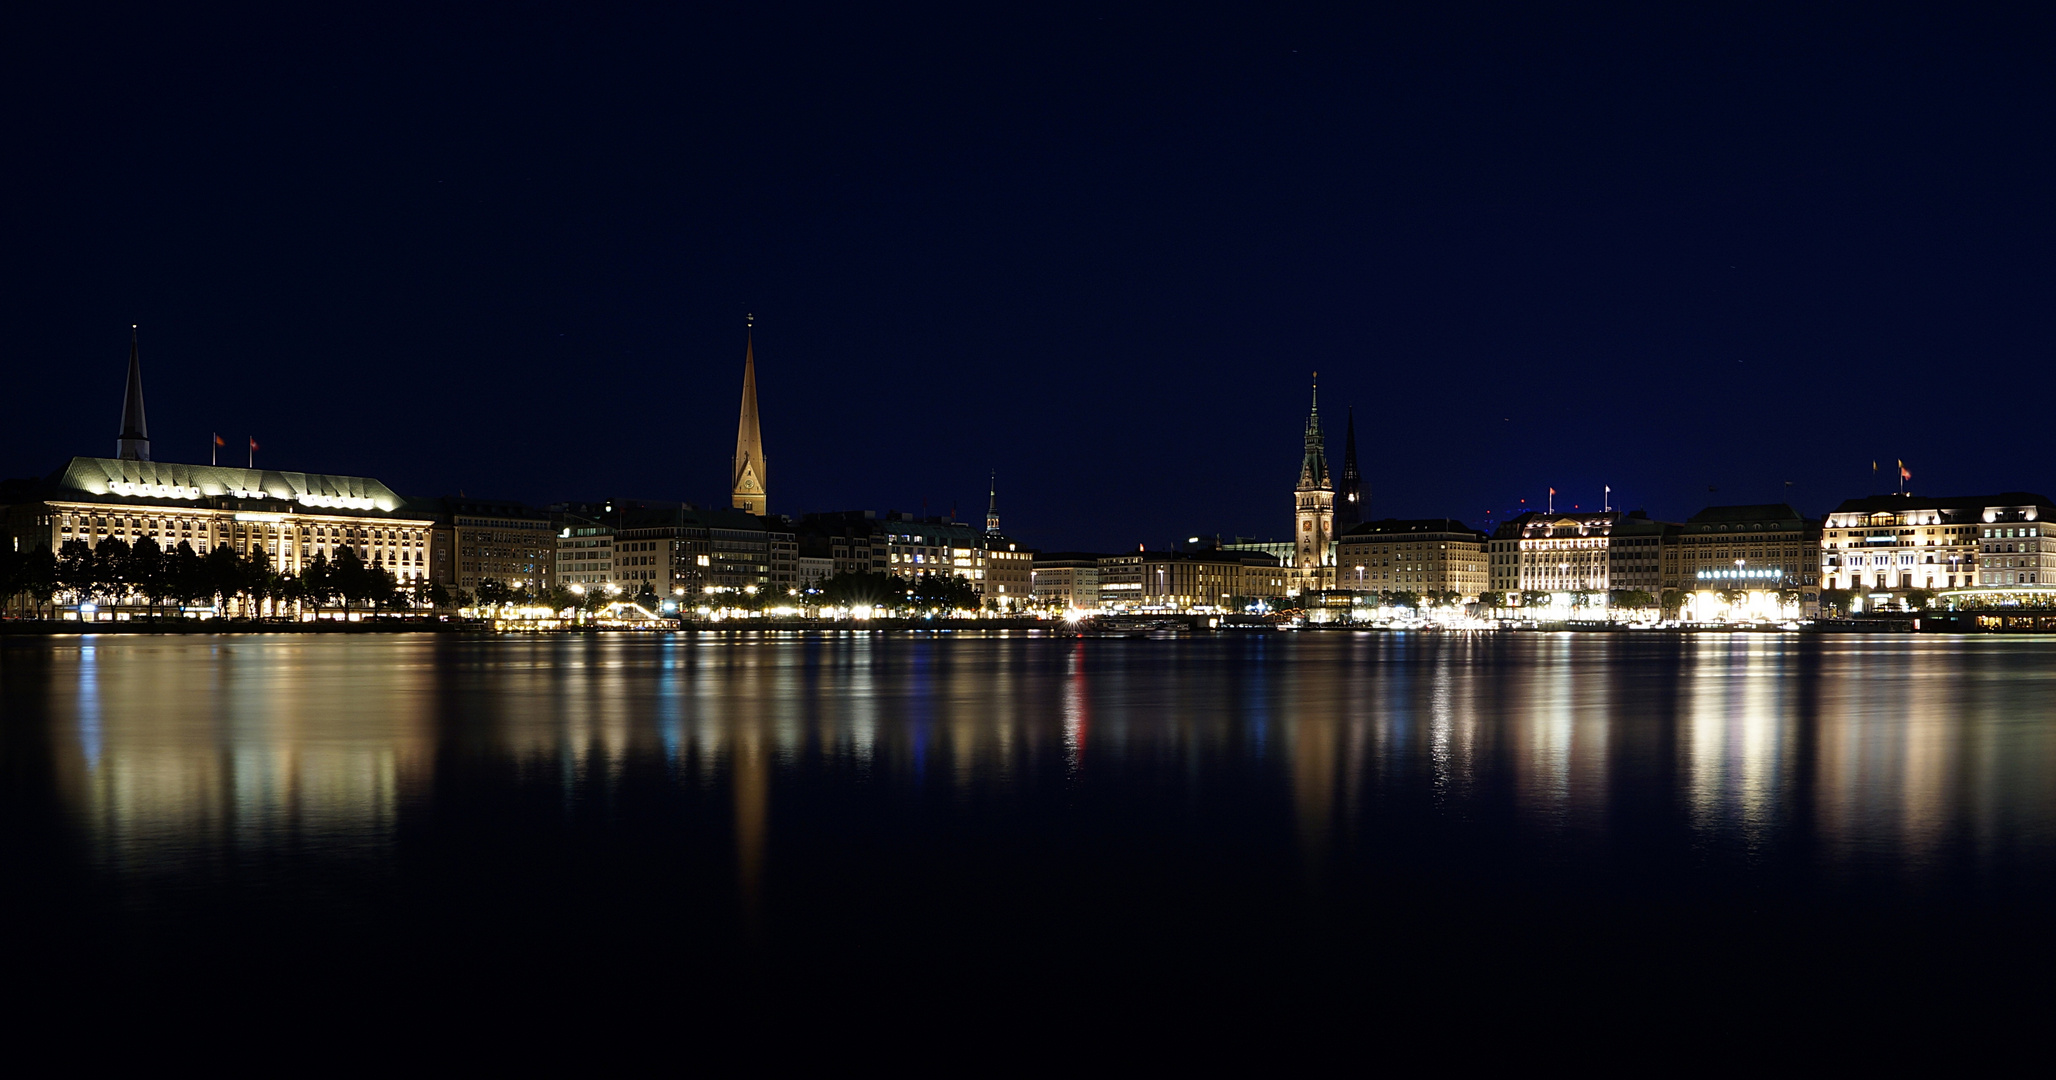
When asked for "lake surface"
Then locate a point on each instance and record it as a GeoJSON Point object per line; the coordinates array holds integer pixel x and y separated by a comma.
{"type": "Point", "coordinates": [1342, 832]}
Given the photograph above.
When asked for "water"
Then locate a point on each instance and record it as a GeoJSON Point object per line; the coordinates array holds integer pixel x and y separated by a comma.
{"type": "Point", "coordinates": [1258, 833]}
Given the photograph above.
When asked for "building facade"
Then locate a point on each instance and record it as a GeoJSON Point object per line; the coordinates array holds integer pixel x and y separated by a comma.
{"type": "Point", "coordinates": [1209, 579]}
{"type": "Point", "coordinates": [585, 553]}
{"type": "Point", "coordinates": [1430, 555]}
{"type": "Point", "coordinates": [1761, 547]}
{"type": "Point", "coordinates": [1066, 580]}
{"type": "Point", "coordinates": [481, 540]}
{"type": "Point", "coordinates": [1543, 552]}
{"type": "Point", "coordinates": [1888, 545]}
{"type": "Point", "coordinates": [1635, 554]}
{"type": "Point", "coordinates": [285, 518]}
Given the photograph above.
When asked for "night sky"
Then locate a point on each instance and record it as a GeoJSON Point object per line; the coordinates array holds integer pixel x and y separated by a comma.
{"type": "Point", "coordinates": [510, 251]}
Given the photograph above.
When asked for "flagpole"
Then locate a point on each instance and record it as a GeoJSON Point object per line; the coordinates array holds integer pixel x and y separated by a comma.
{"type": "Point", "coordinates": [214, 450]}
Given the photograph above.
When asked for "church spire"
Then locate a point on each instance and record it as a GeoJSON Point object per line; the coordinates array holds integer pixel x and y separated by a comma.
{"type": "Point", "coordinates": [992, 506]}
{"type": "Point", "coordinates": [1350, 501]}
{"type": "Point", "coordinates": [750, 473]}
{"type": "Point", "coordinates": [1313, 468]}
{"type": "Point", "coordinates": [134, 442]}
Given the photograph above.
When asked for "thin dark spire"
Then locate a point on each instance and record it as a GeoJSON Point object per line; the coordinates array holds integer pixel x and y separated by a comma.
{"type": "Point", "coordinates": [134, 442]}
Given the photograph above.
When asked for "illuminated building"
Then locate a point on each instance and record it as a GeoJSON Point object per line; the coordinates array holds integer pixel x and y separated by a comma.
{"type": "Point", "coordinates": [1749, 548]}
{"type": "Point", "coordinates": [480, 540]}
{"type": "Point", "coordinates": [1886, 545]}
{"type": "Point", "coordinates": [285, 517]}
{"type": "Point", "coordinates": [933, 545]}
{"type": "Point", "coordinates": [1009, 574]}
{"type": "Point", "coordinates": [585, 553]}
{"type": "Point", "coordinates": [853, 541]}
{"type": "Point", "coordinates": [1208, 579]}
{"type": "Point", "coordinates": [1313, 531]}
{"type": "Point", "coordinates": [1067, 580]}
{"type": "Point", "coordinates": [1636, 551]}
{"type": "Point", "coordinates": [1542, 552]}
{"type": "Point", "coordinates": [1428, 555]}
{"type": "Point", "coordinates": [751, 473]}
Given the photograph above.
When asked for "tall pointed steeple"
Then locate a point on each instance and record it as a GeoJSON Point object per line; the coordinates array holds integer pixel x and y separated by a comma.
{"type": "Point", "coordinates": [1313, 469]}
{"type": "Point", "coordinates": [1350, 499]}
{"type": "Point", "coordinates": [992, 506]}
{"type": "Point", "coordinates": [1313, 524]}
{"type": "Point", "coordinates": [134, 442]}
{"type": "Point", "coordinates": [750, 473]}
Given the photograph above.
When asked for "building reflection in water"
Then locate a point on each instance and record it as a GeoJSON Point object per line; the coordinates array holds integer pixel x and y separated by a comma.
{"type": "Point", "coordinates": [1867, 754]}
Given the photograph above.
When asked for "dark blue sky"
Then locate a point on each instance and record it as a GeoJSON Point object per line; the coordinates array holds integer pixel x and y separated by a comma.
{"type": "Point", "coordinates": [510, 252]}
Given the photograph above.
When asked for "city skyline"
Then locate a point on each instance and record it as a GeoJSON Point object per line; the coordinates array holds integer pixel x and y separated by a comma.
{"type": "Point", "coordinates": [1523, 253]}
{"type": "Point", "coordinates": [748, 473]}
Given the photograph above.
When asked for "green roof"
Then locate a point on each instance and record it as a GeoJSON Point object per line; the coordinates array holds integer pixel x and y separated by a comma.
{"type": "Point", "coordinates": [163, 481]}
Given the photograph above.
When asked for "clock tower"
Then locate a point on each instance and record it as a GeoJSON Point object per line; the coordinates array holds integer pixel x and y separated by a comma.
{"type": "Point", "coordinates": [1314, 507]}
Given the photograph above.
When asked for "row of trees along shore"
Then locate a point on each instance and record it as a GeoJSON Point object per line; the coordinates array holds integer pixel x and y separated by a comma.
{"type": "Point", "coordinates": [116, 571]}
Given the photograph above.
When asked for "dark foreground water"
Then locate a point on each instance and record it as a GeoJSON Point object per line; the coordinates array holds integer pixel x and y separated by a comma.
{"type": "Point", "coordinates": [1503, 843]}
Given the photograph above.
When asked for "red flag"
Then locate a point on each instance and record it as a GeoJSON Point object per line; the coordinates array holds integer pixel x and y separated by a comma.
{"type": "Point", "coordinates": [218, 440]}
{"type": "Point", "coordinates": [1552, 491]}
{"type": "Point", "coordinates": [1904, 472]}
{"type": "Point", "coordinates": [253, 442]}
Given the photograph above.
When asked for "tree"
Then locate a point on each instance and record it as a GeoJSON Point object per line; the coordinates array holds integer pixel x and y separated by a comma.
{"type": "Point", "coordinates": [1632, 599]}
{"type": "Point", "coordinates": [110, 568]}
{"type": "Point", "coordinates": [222, 571]}
{"type": "Point", "coordinates": [936, 592]}
{"type": "Point", "coordinates": [1920, 598]}
{"type": "Point", "coordinates": [350, 578]}
{"type": "Point", "coordinates": [39, 575]}
{"type": "Point", "coordinates": [1401, 598]}
{"type": "Point", "coordinates": [184, 576]}
{"type": "Point", "coordinates": [1495, 600]}
{"type": "Point", "coordinates": [855, 587]}
{"type": "Point", "coordinates": [492, 593]}
{"type": "Point", "coordinates": [258, 579]}
{"type": "Point", "coordinates": [75, 569]}
{"type": "Point", "coordinates": [145, 571]}
{"type": "Point", "coordinates": [439, 597]}
{"type": "Point", "coordinates": [1673, 602]}
{"type": "Point", "coordinates": [383, 589]}
{"type": "Point", "coordinates": [317, 581]}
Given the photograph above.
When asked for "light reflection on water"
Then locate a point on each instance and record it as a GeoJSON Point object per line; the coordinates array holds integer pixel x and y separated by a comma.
{"type": "Point", "coordinates": [1901, 755]}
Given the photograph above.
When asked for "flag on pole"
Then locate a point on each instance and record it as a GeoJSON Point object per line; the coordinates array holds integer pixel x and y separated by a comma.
{"type": "Point", "coordinates": [214, 452]}
{"type": "Point", "coordinates": [1904, 472]}
{"type": "Point", "coordinates": [253, 452]}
